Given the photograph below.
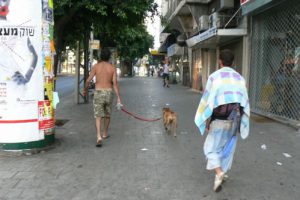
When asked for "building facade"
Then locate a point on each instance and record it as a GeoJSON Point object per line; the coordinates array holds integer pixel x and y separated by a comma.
{"type": "Point", "coordinates": [264, 36]}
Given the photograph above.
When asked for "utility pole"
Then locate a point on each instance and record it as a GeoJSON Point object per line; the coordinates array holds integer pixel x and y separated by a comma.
{"type": "Point", "coordinates": [77, 74]}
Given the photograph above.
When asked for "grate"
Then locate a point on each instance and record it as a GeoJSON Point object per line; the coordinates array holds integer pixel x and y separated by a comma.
{"type": "Point", "coordinates": [275, 62]}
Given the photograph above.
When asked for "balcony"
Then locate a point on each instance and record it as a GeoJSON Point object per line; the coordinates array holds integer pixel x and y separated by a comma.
{"type": "Point", "coordinates": [175, 7]}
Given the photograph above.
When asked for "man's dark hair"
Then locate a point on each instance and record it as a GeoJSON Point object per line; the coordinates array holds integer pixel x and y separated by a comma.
{"type": "Point", "coordinates": [105, 54]}
{"type": "Point", "coordinates": [227, 57]}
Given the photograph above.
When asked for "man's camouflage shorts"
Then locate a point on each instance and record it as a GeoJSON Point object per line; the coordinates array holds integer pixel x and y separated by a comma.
{"type": "Point", "coordinates": [103, 102]}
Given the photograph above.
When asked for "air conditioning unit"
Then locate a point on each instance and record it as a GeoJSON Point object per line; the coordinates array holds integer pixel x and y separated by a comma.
{"type": "Point", "coordinates": [203, 23]}
{"type": "Point", "coordinates": [220, 20]}
{"type": "Point", "coordinates": [226, 4]}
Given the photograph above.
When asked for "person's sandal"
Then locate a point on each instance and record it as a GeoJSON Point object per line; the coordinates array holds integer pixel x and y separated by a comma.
{"type": "Point", "coordinates": [218, 182]}
{"type": "Point", "coordinates": [106, 137]}
{"type": "Point", "coordinates": [99, 143]}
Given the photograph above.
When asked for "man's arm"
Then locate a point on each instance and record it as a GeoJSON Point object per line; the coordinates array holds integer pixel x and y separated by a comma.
{"type": "Point", "coordinates": [115, 84]}
{"type": "Point", "coordinates": [86, 85]}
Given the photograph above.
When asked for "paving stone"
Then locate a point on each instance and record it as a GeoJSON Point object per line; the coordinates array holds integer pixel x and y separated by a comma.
{"type": "Point", "coordinates": [171, 168]}
{"type": "Point", "coordinates": [6, 174]}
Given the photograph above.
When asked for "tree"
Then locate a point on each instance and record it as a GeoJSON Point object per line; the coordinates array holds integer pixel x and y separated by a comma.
{"type": "Point", "coordinates": [116, 23]}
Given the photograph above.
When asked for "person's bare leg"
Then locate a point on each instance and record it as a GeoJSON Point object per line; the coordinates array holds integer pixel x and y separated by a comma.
{"type": "Point", "coordinates": [107, 121]}
{"type": "Point", "coordinates": [98, 127]}
{"type": "Point", "coordinates": [218, 171]}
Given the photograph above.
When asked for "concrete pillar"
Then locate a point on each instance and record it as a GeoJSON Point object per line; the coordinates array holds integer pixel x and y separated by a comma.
{"type": "Point", "coordinates": [246, 59]}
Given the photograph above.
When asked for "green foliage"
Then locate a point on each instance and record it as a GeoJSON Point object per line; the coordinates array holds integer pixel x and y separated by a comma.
{"type": "Point", "coordinates": [134, 42]}
{"type": "Point", "coordinates": [116, 23]}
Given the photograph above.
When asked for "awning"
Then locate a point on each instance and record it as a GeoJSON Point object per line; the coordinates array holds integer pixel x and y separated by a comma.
{"type": "Point", "coordinates": [171, 39]}
{"type": "Point", "coordinates": [214, 36]}
{"type": "Point", "coordinates": [163, 48]}
{"type": "Point", "coordinates": [251, 6]}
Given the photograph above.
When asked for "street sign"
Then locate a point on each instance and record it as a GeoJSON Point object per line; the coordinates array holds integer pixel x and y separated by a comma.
{"type": "Point", "coordinates": [95, 44]}
{"type": "Point", "coordinates": [156, 53]}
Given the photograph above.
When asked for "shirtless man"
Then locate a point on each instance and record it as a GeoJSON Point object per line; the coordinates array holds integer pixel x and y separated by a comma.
{"type": "Point", "coordinates": [106, 79]}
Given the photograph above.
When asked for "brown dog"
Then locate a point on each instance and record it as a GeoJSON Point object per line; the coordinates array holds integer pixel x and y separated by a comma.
{"type": "Point", "coordinates": [170, 120]}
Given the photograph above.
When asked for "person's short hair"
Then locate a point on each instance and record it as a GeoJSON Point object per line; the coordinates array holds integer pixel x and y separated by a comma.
{"type": "Point", "coordinates": [105, 54]}
{"type": "Point", "coordinates": [227, 57]}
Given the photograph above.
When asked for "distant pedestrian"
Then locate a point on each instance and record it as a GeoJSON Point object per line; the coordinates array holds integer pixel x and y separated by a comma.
{"type": "Point", "coordinates": [166, 77]}
{"type": "Point", "coordinates": [106, 79]}
{"type": "Point", "coordinates": [223, 111]}
{"type": "Point", "coordinates": [152, 71]}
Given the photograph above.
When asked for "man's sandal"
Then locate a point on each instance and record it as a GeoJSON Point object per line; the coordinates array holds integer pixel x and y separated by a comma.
{"type": "Point", "coordinates": [106, 137]}
{"type": "Point", "coordinates": [99, 143]}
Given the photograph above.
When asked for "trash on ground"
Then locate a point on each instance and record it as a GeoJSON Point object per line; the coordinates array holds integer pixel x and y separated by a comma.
{"type": "Point", "coordinates": [156, 132]}
{"type": "Point", "coordinates": [287, 155]}
{"type": "Point", "coordinates": [144, 149]}
{"type": "Point", "coordinates": [264, 147]}
{"type": "Point", "coordinates": [279, 163]}
{"type": "Point", "coordinates": [167, 104]}
{"type": "Point", "coordinates": [153, 105]}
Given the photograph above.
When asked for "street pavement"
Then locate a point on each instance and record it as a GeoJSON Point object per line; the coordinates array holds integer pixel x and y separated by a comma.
{"type": "Point", "coordinates": [141, 162]}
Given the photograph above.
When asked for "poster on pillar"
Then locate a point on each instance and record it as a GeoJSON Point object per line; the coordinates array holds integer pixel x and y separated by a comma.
{"type": "Point", "coordinates": [46, 120]}
{"type": "Point", "coordinates": [21, 72]}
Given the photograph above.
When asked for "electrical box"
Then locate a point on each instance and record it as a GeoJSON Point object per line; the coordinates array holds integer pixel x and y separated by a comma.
{"type": "Point", "coordinates": [203, 23]}
{"type": "Point", "coordinates": [226, 4]}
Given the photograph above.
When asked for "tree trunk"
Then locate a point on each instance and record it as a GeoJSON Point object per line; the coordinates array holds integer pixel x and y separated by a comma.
{"type": "Point", "coordinates": [86, 59]}
{"type": "Point", "coordinates": [59, 31]}
{"type": "Point", "coordinates": [129, 67]}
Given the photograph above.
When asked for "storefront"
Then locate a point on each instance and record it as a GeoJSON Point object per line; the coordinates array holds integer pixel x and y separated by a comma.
{"type": "Point", "coordinates": [275, 59]}
{"type": "Point", "coordinates": [205, 51]}
{"type": "Point", "coordinates": [175, 54]}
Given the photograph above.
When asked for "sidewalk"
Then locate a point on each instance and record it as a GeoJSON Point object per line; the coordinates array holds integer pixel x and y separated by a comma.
{"type": "Point", "coordinates": [140, 162]}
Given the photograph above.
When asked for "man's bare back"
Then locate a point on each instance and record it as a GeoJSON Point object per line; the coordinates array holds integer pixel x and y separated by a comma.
{"type": "Point", "coordinates": [106, 78]}
{"type": "Point", "coordinates": [104, 73]}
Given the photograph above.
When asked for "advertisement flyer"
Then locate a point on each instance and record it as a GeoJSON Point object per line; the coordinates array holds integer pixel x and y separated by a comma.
{"type": "Point", "coordinates": [46, 120]}
{"type": "Point", "coordinates": [21, 70]}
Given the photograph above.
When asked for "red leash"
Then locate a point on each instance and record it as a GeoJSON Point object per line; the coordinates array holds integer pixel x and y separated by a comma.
{"type": "Point", "coordinates": [139, 118]}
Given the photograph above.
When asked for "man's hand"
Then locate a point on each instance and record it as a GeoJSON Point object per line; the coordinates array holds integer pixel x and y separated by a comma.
{"type": "Point", "coordinates": [119, 106]}
{"type": "Point", "coordinates": [84, 92]}
{"type": "Point", "coordinates": [207, 125]}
